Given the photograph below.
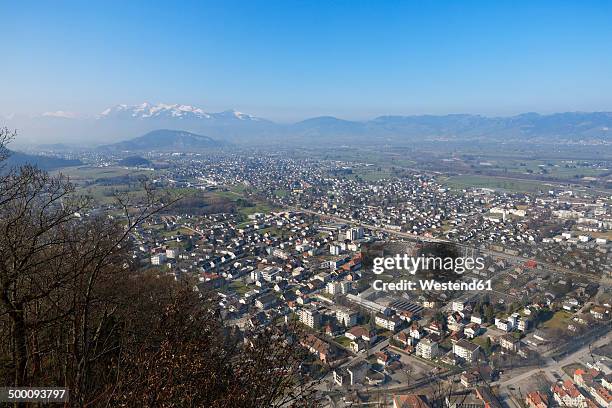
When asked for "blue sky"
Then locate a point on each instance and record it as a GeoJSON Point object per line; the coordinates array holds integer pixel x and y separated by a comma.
{"type": "Point", "coordinates": [287, 60]}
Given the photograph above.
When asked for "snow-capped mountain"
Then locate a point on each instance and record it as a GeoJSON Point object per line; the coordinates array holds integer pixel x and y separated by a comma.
{"type": "Point", "coordinates": [169, 111]}
{"type": "Point", "coordinates": [123, 122]}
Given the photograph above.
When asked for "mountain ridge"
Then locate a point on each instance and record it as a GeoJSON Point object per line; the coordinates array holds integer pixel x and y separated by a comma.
{"type": "Point", "coordinates": [166, 139]}
{"type": "Point", "coordinates": [123, 121]}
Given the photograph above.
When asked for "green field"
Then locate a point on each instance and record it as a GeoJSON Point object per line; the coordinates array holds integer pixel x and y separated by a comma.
{"type": "Point", "coordinates": [259, 206]}
{"type": "Point", "coordinates": [86, 176]}
{"type": "Point", "coordinates": [281, 193]}
{"type": "Point", "coordinates": [230, 195]}
{"type": "Point", "coordinates": [239, 287]}
{"type": "Point", "coordinates": [480, 340]}
{"type": "Point", "coordinates": [566, 169]}
{"type": "Point", "coordinates": [495, 183]}
{"type": "Point", "coordinates": [84, 173]}
{"type": "Point", "coordinates": [372, 173]}
{"type": "Point", "coordinates": [174, 233]}
{"type": "Point", "coordinates": [344, 341]}
{"type": "Point", "coordinates": [559, 320]}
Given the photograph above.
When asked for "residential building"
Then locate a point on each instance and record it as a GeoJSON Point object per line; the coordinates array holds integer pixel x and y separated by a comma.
{"type": "Point", "coordinates": [335, 249]}
{"type": "Point", "coordinates": [568, 395]}
{"type": "Point", "coordinates": [410, 401]}
{"type": "Point", "coordinates": [472, 330]}
{"type": "Point", "coordinates": [266, 301]}
{"type": "Point", "coordinates": [537, 399]}
{"type": "Point", "coordinates": [458, 306]}
{"type": "Point", "coordinates": [255, 275]}
{"type": "Point", "coordinates": [310, 317]}
{"type": "Point", "coordinates": [172, 253]}
{"type": "Point", "coordinates": [158, 259]}
{"type": "Point", "coordinates": [391, 323]}
{"type": "Point", "coordinates": [404, 338]}
{"type": "Point", "coordinates": [357, 345]}
{"type": "Point", "coordinates": [435, 328]}
{"type": "Point", "coordinates": [504, 325]}
{"type": "Point", "coordinates": [416, 332]}
{"type": "Point", "coordinates": [524, 324]}
{"type": "Point", "coordinates": [606, 381]}
{"type": "Point", "coordinates": [360, 332]}
{"type": "Point", "coordinates": [269, 273]}
{"type": "Point", "coordinates": [466, 350]}
{"type": "Point", "coordinates": [322, 349]}
{"type": "Point", "coordinates": [347, 317]}
{"type": "Point", "coordinates": [509, 342]}
{"type": "Point", "coordinates": [427, 349]}
{"type": "Point", "coordinates": [351, 375]}
{"type": "Point", "coordinates": [354, 233]}
{"type": "Point", "coordinates": [334, 288]}
{"type": "Point", "coordinates": [600, 312]}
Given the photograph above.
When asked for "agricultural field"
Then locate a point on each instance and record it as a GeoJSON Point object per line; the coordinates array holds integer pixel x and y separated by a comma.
{"type": "Point", "coordinates": [565, 169]}
{"type": "Point", "coordinates": [103, 184]}
{"type": "Point", "coordinates": [246, 205]}
{"type": "Point", "coordinates": [495, 183]}
{"type": "Point", "coordinates": [371, 173]}
{"type": "Point", "coordinates": [88, 173]}
{"type": "Point", "coordinates": [387, 158]}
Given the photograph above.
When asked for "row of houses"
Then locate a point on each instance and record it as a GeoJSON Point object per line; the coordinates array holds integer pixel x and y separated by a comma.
{"type": "Point", "coordinates": [590, 389]}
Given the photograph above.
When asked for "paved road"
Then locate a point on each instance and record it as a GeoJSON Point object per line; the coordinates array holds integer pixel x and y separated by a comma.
{"type": "Point", "coordinates": [548, 370]}
{"type": "Point", "coordinates": [551, 366]}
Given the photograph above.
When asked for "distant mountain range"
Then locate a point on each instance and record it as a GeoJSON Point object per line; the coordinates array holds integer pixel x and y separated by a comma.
{"type": "Point", "coordinates": [525, 127]}
{"type": "Point", "coordinates": [124, 121]}
{"type": "Point", "coordinates": [166, 140]}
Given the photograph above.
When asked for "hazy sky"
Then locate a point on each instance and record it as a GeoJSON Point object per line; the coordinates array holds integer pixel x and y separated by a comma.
{"type": "Point", "coordinates": [286, 60]}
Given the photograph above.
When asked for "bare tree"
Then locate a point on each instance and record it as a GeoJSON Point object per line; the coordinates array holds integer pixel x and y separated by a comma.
{"type": "Point", "coordinates": [76, 311]}
{"type": "Point", "coordinates": [6, 136]}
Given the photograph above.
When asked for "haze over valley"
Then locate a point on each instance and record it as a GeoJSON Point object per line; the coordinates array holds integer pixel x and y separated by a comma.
{"type": "Point", "coordinates": [291, 204]}
{"type": "Point", "coordinates": [123, 122]}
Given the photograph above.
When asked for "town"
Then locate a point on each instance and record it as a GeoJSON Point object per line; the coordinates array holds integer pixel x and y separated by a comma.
{"type": "Point", "coordinates": [306, 204]}
{"type": "Point", "coordinates": [282, 240]}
